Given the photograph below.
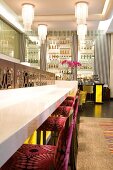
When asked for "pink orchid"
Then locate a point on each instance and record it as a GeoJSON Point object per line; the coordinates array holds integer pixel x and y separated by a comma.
{"type": "Point", "coordinates": [64, 62]}
{"type": "Point", "coordinates": [71, 64]}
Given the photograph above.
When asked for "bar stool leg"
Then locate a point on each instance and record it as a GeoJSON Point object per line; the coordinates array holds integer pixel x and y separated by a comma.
{"type": "Point", "coordinates": [38, 136]}
{"type": "Point", "coordinates": [44, 137]}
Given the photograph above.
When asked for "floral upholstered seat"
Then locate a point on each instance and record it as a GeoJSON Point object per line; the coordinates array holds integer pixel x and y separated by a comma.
{"type": "Point", "coordinates": [43, 157]}
{"type": "Point", "coordinates": [56, 122]}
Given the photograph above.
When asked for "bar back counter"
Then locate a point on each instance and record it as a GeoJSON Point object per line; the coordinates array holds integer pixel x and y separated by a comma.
{"type": "Point", "coordinates": [95, 90]}
{"type": "Point", "coordinates": [23, 110]}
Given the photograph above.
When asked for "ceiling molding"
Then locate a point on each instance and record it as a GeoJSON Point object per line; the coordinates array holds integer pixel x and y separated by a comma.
{"type": "Point", "coordinates": [65, 17]}
{"type": "Point", "coordinates": [109, 10]}
{"type": "Point", "coordinates": [59, 14]}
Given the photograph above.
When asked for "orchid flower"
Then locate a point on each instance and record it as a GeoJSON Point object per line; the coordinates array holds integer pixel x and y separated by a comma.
{"type": "Point", "coordinates": [71, 64]}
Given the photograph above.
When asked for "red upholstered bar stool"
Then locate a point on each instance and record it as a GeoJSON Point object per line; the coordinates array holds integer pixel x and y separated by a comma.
{"type": "Point", "coordinates": [43, 157]}
{"type": "Point", "coordinates": [76, 105]}
{"type": "Point", "coordinates": [74, 142]}
{"type": "Point", "coordinates": [68, 103]}
{"type": "Point", "coordinates": [74, 96]}
{"type": "Point", "coordinates": [62, 110]}
{"type": "Point", "coordinates": [71, 100]}
{"type": "Point", "coordinates": [55, 123]}
{"type": "Point", "coordinates": [74, 102]}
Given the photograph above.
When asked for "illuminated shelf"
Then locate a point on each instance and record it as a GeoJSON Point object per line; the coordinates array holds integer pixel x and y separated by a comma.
{"type": "Point", "coordinates": [59, 49]}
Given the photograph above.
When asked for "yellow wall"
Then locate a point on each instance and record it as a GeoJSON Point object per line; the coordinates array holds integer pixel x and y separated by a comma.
{"type": "Point", "coordinates": [98, 98]}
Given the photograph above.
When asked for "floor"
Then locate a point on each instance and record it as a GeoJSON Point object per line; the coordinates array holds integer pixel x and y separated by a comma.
{"type": "Point", "coordinates": [94, 150]}
{"type": "Point", "coordinates": [104, 110]}
{"type": "Point", "coordinates": [89, 157]}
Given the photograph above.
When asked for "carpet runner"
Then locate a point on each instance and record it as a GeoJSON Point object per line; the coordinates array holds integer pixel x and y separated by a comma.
{"type": "Point", "coordinates": [93, 151]}
{"type": "Point", "coordinates": [108, 134]}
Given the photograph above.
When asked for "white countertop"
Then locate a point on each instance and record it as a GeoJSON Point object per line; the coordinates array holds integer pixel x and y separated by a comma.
{"type": "Point", "coordinates": [23, 110]}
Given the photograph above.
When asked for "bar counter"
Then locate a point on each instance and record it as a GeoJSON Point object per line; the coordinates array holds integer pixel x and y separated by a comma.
{"type": "Point", "coordinates": [23, 110]}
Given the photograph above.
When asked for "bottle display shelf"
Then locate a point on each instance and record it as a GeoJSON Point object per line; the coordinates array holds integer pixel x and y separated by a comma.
{"type": "Point", "coordinates": [59, 49]}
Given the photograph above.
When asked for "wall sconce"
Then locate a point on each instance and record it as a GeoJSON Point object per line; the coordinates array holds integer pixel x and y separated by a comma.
{"type": "Point", "coordinates": [42, 33]}
{"type": "Point", "coordinates": [27, 15]}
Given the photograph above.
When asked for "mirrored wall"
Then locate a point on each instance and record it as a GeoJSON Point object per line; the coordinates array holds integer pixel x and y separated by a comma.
{"type": "Point", "coordinates": [9, 40]}
{"type": "Point", "coordinates": [32, 51]}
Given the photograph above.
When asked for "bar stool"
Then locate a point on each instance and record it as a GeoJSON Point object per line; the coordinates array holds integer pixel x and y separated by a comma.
{"type": "Point", "coordinates": [89, 90]}
{"type": "Point", "coordinates": [43, 157]}
{"type": "Point", "coordinates": [55, 122]}
{"type": "Point", "coordinates": [82, 100]}
{"type": "Point", "coordinates": [69, 100]}
{"type": "Point", "coordinates": [74, 142]}
{"type": "Point", "coordinates": [68, 103]}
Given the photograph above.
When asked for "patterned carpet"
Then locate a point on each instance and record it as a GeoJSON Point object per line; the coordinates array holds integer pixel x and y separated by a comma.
{"type": "Point", "coordinates": [108, 133]}
{"type": "Point", "coordinates": [93, 151]}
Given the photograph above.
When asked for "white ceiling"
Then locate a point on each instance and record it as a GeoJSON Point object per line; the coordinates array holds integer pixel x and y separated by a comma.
{"type": "Point", "coordinates": [59, 14]}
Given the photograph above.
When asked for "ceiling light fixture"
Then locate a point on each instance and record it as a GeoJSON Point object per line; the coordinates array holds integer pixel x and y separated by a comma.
{"type": "Point", "coordinates": [81, 38]}
{"type": "Point", "coordinates": [81, 12]}
{"type": "Point", "coordinates": [42, 33]}
{"type": "Point", "coordinates": [27, 15]}
{"type": "Point", "coordinates": [81, 29]}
